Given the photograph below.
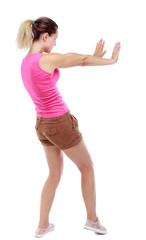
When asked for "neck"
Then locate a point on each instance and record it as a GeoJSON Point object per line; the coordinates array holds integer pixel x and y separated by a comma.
{"type": "Point", "coordinates": [35, 48]}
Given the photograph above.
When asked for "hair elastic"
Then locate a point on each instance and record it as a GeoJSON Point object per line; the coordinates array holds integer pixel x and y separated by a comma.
{"type": "Point", "coordinates": [33, 21]}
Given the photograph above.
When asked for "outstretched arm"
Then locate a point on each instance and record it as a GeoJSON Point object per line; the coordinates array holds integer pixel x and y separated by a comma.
{"type": "Point", "coordinates": [58, 60]}
{"type": "Point", "coordinates": [90, 61]}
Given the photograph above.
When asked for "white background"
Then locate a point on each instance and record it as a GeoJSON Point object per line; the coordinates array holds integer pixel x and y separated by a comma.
{"type": "Point", "coordinates": [110, 105]}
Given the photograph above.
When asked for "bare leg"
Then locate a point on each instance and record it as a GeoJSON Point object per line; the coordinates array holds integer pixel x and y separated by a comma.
{"type": "Point", "coordinates": [89, 194]}
{"type": "Point", "coordinates": [54, 158]}
{"type": "Point", "coordinates": [47, 197]}
{"type": "Point", "coordinates": [81, 157]}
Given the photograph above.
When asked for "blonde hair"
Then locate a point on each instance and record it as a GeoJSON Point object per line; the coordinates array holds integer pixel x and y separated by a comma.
{"type": "Point", "coordinates": [25, 36]}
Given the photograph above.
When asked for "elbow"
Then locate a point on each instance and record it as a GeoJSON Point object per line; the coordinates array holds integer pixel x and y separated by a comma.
{"type": "Point", "coordinates": [84, 62]}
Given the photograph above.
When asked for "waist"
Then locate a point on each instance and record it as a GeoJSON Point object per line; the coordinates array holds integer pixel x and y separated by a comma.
{"type": "Point", "coordinates": [54, 119]}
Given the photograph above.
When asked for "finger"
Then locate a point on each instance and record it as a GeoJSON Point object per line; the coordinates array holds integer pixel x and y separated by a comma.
{"type": "Point", "coordinates": [118, 44]}
{"type": "Point", "coordinates": [99, 45]}
{"type": "Point", "coordinates": [104, 52]}
{"type": "Point", "coordinates": [116, 49]}
{"type": "Point", "coordinates": [100, 42]}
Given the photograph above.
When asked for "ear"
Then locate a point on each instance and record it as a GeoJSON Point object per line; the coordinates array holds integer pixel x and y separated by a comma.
{"type": "Point", "coordinates": [45, 36]}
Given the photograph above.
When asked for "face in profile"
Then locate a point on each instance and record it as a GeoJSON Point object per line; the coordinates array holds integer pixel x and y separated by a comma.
{"type": "Point", "coordinates": [51, 42]}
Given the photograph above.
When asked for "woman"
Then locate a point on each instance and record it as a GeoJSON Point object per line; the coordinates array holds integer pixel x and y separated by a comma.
{"type": "Point", "coordinates": [56, 128]}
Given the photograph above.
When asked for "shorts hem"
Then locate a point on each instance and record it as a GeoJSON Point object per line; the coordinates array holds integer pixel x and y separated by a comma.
{"type": "Point", "coordinates": [64, 148]}
{"type": "Point", "coordinates": [47, 145]}
{"type": "Point", "coordinates": [74, 144]}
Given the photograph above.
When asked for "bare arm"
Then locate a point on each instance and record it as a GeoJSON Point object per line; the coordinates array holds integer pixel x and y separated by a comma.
{"type": "Point", "coordinates": [92, 60]}
{"type": "Point", "coordinates": [96, 59]}
{"type": "Point", "coordinates": [58, 60]}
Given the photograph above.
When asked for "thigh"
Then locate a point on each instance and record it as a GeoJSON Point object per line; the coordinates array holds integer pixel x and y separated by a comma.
{"type": "Point", "coordinates": [54, 157]}
{"type": "Point", "coordinates": [80, 155]}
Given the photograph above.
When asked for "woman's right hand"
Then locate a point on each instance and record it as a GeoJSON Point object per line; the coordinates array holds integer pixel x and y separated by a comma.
{"type": "Point", "coordinates": [116, 51]}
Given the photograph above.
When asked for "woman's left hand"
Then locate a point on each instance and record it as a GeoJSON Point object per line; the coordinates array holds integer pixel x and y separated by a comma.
{"type": "Point", "coordinates": [99, 49]}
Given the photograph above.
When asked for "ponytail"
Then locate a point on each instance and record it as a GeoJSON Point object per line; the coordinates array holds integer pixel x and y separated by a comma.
{"type": "Point", "coordinates": [30, 30]}
{"type": "Point", "coordinates": [25, 36]}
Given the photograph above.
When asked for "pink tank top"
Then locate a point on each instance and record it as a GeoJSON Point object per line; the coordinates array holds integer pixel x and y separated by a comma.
{"type": "Point", "coordinates": [41, 86]}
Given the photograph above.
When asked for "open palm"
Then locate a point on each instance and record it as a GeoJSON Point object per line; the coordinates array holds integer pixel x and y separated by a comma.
{"type": "Point", "coordinates": [99, 49]}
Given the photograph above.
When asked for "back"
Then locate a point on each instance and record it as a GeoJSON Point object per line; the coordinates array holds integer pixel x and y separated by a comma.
{"type": "Point", "coordinates": [41, 86]}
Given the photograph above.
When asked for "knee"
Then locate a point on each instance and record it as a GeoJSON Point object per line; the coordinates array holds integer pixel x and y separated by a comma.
{"type": "Point", "coordinates": [55, 177]}
{"type": "Point", "coordinates": [87, 168]}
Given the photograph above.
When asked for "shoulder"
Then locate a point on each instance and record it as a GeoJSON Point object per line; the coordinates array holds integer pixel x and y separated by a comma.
{"type": "Point", "coordinates": [47, 61]}
{"type": "Point", "coordinates": [50, 56]}
{"type": "Point", "coordinates": [53, 59]}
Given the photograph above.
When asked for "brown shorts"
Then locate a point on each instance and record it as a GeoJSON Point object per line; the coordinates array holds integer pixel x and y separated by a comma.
{"type": "Point", "coordinates": [61, 131]}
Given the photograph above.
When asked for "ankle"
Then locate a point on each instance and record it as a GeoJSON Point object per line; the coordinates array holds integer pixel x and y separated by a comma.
{"type": "Point", "coordinates": [92, 219]}
{"type": "Point", "coordinates": [43, 225]}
